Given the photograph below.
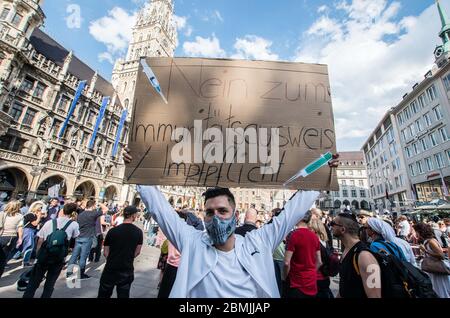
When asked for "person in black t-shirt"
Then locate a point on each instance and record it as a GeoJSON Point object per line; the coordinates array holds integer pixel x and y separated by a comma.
{"type": "Point", "coordinates": [122, 245]}
{"type": "Point", "coordinates": [366, 282]}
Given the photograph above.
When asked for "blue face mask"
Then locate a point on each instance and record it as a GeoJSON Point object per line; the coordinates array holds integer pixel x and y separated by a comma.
{"type": "Point", "coordinates": [220, 230]}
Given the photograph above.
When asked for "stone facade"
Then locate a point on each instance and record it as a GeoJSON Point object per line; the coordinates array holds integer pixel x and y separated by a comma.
{"type": "Point", "coordinates": [38, 80]}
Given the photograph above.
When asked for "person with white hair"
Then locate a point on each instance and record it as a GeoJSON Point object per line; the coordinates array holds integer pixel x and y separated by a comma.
{"type": "Point", "coordinates": [377, 228]}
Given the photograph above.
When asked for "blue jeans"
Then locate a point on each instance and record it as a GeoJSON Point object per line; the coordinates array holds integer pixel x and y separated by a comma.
{"type": "Point", "coordinates": [82, 249]}
{"type": "Point", "coordinates": [279, 267]}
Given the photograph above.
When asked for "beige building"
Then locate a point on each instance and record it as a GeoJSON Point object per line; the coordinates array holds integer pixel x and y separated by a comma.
{"type": "Point", "coordinates": [353, 184]}
{"type": "Point", "coordinates": [386, 167]}
{"type": "Point", "coordinates": [38, 80]}
{"type": "Point", "coordinates": [408, 154]}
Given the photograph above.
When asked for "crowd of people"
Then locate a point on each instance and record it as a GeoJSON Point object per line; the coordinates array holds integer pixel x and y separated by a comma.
{"type": "Point", "coordinates": [51, 235]}
{"type": "Point", "coordinates": [216, 253]}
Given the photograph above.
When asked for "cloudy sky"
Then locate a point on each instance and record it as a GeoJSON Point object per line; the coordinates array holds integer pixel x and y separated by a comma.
{"type": "Point", "coordinates": [375, 49]}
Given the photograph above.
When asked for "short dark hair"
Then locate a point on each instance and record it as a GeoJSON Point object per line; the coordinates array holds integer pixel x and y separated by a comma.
{"type": "Point", "coordinates": [70, 208]}
{"type": "Point", "coordinates": [350, 223]}
{"type": "Point", "coordinates": [129, 211]}
{"type": "Point", "coordinates": [217, 192]}
{"type": "Point", "coordinates": [55, 198]}
{"type": "Point", "coordinates": [90, 204]}
{"type": "Point", "coordinates": [425, 230]}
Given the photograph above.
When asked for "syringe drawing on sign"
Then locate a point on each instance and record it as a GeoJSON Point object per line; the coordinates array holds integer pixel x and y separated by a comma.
{"type": "Point", "coordinates": [153, 80]}
{"type": "Point", "coordinates": [311, 168]}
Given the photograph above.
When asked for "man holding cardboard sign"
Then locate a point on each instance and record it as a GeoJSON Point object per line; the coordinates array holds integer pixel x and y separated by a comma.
{"type": "Point", "coordinates": [210, 122]}
{"type": "Point", "coordinates": [221, 123]}
{"type": "Point", "coordinates": [218, 263]}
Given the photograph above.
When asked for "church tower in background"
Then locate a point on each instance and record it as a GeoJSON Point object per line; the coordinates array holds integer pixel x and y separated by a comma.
{"type": "Point", "coordinates": [154, 34]}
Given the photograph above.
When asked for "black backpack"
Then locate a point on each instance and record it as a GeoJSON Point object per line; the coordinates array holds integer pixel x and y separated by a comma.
{"type": "Point", "coordinates": [399, 278]}
{"type": "Point", "coordinates": [56, 246]}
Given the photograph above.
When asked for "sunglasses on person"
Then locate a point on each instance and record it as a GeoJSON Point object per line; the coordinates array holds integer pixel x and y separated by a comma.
{"type": "Point", "coordinates": [332, 223]}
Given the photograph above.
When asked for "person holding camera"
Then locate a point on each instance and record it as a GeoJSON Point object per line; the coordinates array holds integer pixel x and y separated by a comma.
{"type": "Point", "coordinates": [85, 240]}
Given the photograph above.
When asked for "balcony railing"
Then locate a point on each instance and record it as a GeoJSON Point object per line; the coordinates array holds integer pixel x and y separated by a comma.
{"type": "Point", "coordinates": [61, 167]}
{"type": "Point", "coordinates": [18, 157]}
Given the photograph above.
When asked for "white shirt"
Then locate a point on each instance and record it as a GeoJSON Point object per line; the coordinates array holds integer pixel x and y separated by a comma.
{"type": "Point", "coordinates": [73, 230]}
{"type": "Point", "coordinates": [405, 228]}
{"type": "Point", "coordinates": [228, 280]}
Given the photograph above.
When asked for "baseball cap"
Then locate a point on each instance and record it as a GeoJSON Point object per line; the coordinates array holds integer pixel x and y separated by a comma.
{"type": "Point", "coordinates": [129, 211]}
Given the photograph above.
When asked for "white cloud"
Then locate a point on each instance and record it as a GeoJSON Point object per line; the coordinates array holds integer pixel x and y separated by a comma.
{"type": "Point", "coordinates": [105, 56]}
{"type": "Point", "coordinates": [179, 22]}
{"type": "Point", "coordinates": [188, 31]}
{"type": "Point", "coordinates": [374, 58]}
{"type": "Point", "coordinates": [204, 47]}
{"type": "Point", "coordinates": [182, 25]}
{"type": "Point", "coordinates": [254, 47]}
{"type": "Point", "coordinates": [322, 9]}
{"type": "Point", "coordinates": [114, 30]}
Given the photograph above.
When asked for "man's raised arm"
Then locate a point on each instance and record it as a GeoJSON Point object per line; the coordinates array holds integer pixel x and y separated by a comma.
{"type": "Point", "coordinates": [294, 210]}
{"type": "Point", "coordinates": [173, 227]}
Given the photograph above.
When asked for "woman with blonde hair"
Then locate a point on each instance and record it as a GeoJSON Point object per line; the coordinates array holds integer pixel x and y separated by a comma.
{"type": "Point", "coordinates": [323, 281]}
{"type": "Point", "coordinates": [11, 231]}
{"type": "Point", "coordinates": [31, 221]}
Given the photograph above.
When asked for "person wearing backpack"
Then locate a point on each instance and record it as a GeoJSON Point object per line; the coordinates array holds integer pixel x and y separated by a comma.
{"type": "Point", "coordinates": [83, 244]}
{"type": "Point", "coordinates": [381, 233]}
{"type": "Point", "coordinates": [353, 283]}
{"type": "Point", "coordinates": [399, 277]}
{"type": "Point", "coordinates": [52, 249]}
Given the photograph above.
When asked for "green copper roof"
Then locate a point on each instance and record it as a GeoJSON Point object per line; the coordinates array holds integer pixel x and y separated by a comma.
{"type": "Point", "coordinates": [444, 20]}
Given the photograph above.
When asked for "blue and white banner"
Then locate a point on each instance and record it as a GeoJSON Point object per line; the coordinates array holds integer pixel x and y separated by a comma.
{"type": "Point", "coordinates": [119, 132]}
{"type": "Point", "coordinates": [80, 89]}
{"type": "Point", "coordinates": [100, 117]}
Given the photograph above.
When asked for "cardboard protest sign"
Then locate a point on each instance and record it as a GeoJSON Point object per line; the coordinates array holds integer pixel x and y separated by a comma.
{"type": "Point", "coordinates": [230, 123]}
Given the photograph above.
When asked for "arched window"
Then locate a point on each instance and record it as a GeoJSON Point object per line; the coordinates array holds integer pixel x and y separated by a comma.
{"type": "Point", "coordinates": [127, 102]}
{"type": "Point", "coordinates": [125, 87]}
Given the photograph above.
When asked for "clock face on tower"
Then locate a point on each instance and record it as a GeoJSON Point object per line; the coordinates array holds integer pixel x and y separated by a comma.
{"type": "Point", "coordinates": [439, 52]}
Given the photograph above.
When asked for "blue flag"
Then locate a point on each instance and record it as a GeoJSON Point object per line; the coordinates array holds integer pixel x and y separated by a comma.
{"type": "Point", "coordinates": [119, 132]}
{"type": "Point", "coordinates": [80, 89]}
{"type": "Point", "coordinates": [100, 117]}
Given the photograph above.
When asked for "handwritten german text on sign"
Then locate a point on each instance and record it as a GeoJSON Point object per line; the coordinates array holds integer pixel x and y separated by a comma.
{"type": "Point", "coordinates": [231, 123]}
